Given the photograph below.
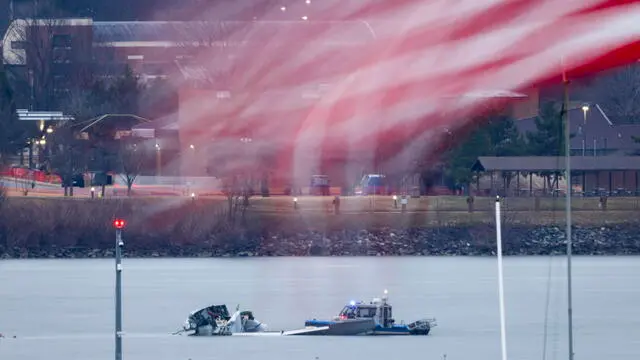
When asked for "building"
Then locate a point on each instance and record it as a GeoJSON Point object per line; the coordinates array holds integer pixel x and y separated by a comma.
{"type": "Point", "coordinates": [595, 139]}
{"type": "Point", "coordinates": [34, 154]}
{"type": "Point", "coordinates": [212, 66]}
{"type": "Point", "coordinates": [154, 48]}
{"type": "Point", "coordinates": [615, 175]}
{"type": "Point", "coordinates": [594, 133]}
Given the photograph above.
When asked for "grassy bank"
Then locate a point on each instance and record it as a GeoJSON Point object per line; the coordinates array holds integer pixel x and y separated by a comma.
{"type": "Point", "coordinates": [42, 223]}
{"type": "Point", "coordinates": [439, 203]}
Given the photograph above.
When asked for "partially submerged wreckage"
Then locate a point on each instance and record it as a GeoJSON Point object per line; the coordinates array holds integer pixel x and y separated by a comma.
{"type": "Point", "coordinates": [215, 321]}
{"type": "Point", "coordinates": [356, 318]}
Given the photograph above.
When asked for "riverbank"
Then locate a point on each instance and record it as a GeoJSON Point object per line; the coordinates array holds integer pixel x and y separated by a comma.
{"type": "Point", "coordinates": [448, 241]}
{"type": "Point", "coordinates": [45, 228]}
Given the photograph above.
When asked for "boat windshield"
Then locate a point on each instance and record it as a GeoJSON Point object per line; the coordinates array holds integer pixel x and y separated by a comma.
{"type": "Point", "coordinates": [348, 312]}
{"type": "Point", "coordinates": [353, 312]}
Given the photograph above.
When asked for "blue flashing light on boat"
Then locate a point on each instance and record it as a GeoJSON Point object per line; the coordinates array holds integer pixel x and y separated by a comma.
{"type": "Point", "coordinates": [352, 303]}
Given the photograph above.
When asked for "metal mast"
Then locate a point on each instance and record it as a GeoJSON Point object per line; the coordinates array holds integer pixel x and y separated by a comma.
{"type": "Point", "coordinates": [567, 155]}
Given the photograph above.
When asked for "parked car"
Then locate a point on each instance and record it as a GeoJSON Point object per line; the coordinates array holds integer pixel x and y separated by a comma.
{"type": "Point", "coordinates": [373, 184]}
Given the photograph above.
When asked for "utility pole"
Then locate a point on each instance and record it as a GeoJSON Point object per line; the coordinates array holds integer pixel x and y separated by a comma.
{"type": "Point", "coordinates": [119, 225]}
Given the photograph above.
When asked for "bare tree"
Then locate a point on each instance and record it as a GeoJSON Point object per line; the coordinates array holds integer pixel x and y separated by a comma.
{"type": "Point", "coordinates": [241, 167]}
{"type": "Point", "coordinates": [102, 109]}
{"type": "Point", "coordinates": [238, 189]}
{"type": "Point", "coordinates": [14, 133]}
{"type": "Point", "coordinates": [36, 50]}
{"type": "Point", "coordinates": [132, 158]}
{"type": "Point", "coordinates": [635, 139]}
{"type": "Point", "coordinates": [26, 183]}
{"type": "Point", "coordinates": [203, 33]}
{"type": "Point", "coordinates": [618, 93]}
{"type": "Point", "coordinates": [44, 59]}
{"type": "Point", "coordinates": [68, 156]}
{"type": "Point", "coordinates": [3, 195]}
{"type": "Point", "coordinates": [215, 41]}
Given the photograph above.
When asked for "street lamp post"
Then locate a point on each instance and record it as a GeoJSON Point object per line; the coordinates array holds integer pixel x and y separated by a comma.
{"type": "Point", "coordinates": [245, 141]}
{"type": "Point", "coordinates": [191, 162]}
{"type": "Point", "coordinates": [158, 160]}
{"type": "Point", "coordinates": [585, 109]}
{"type": "Point", "coordinates": [31, 142]}
{"type": "Point", "coordinates": [246, 152]}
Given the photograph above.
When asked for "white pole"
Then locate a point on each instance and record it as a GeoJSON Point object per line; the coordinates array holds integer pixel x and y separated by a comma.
{"type": "Point", "coordinates": [119, 245]}
{"type": "Point", "coordinates": [503, 330]}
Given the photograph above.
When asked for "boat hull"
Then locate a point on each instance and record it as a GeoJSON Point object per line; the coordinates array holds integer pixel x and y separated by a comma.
{"type": "Point", "coordinates": [343, 328]}
{"type": "Point", "coordinates": [376, 329]}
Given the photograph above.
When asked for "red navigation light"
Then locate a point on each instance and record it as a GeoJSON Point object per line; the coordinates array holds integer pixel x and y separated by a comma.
{"type": "Point", "coordinates": [119, 224]}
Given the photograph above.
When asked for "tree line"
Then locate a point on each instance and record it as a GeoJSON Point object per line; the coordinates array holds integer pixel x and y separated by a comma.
{"type": "Point", "coordinates": [498, 135]}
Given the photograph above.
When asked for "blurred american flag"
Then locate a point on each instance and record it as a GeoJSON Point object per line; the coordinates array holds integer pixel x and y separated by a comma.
{"type": "Point", "coordinates": [360, 77]}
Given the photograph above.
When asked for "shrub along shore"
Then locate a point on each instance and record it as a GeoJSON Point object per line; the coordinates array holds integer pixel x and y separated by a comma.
{"type": "Point", "coordinates": [75, 228]}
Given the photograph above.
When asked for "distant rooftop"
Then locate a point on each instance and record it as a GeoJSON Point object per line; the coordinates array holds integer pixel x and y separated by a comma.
{"type": "Point", "coordinates": [555, 163]}
{"type": "Point", "coordinates": [27, 115]}
{"type": "Point", "coordinates": [598, 127]}
{"type": "Point", "coordinates": [148, 129]}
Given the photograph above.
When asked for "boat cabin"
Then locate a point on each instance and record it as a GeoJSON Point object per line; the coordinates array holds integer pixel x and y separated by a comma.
{"type": "Point", "coordinates": [378, 309]}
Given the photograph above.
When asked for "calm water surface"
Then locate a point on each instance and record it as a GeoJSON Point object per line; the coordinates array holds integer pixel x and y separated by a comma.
{"type": "Point", "coordinates": [64, 309]}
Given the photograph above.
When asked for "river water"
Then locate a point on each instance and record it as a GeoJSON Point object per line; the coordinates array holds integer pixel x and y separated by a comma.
{"type": "Point", "coordinates": [64, 309]}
